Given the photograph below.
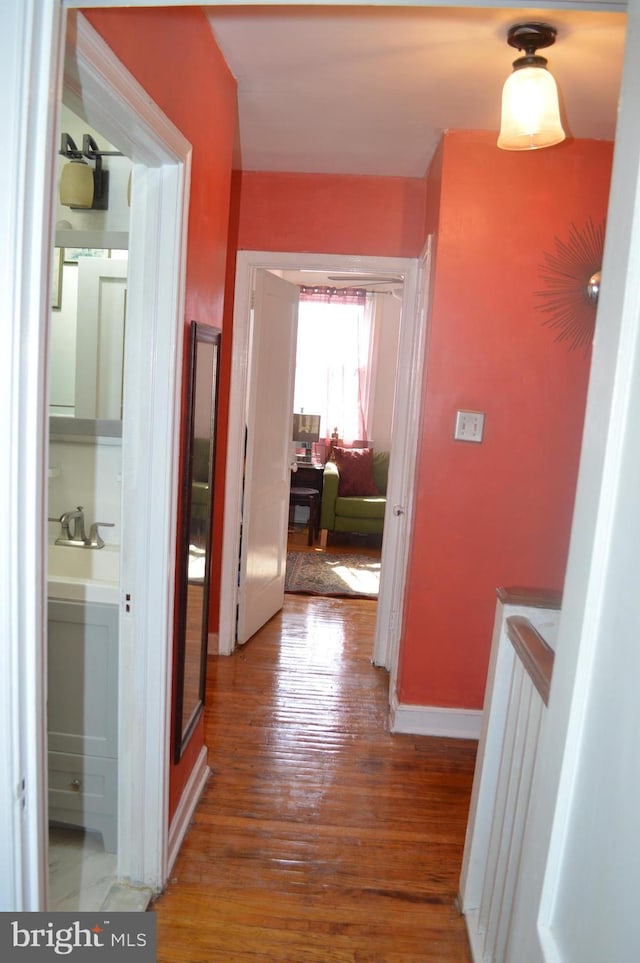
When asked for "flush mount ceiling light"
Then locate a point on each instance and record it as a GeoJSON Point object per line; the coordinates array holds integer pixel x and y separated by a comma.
{"type": "Point", "coordinates": [83, 187]}
{"type": "Point", "coordinates": [530, 111]}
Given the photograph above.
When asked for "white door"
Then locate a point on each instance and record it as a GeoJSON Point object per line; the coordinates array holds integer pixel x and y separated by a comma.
{"type": "Point", "coordinates": [269, 419]}
{"type": "Point", "coordinates": [102, 299]}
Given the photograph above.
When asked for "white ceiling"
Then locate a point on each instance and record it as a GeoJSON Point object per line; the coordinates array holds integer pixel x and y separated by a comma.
{"type": "Point", "coordinates": [369, 90]}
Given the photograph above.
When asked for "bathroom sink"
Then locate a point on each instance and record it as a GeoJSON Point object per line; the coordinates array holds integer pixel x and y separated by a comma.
{"type": "Point", "coordinates": [85, 564]}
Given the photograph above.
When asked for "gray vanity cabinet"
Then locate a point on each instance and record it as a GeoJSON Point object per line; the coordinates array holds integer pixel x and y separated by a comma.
{"type": "Point", "coordinates": [83, 716]}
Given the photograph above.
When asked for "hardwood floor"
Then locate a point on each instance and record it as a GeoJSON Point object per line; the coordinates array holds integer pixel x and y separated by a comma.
{"type": "Point", "coordinates": [321, 837]}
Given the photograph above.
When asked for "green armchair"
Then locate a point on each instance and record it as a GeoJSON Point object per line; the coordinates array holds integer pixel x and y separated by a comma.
{"type": "Point", "coordinates": [362, 514]}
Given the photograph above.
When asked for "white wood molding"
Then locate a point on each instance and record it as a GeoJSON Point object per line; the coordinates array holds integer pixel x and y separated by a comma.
{"type": "Point", "coordinates": [108, 97]}
{"type": "Point", "coordinates": [392, 579]}
{"type": "Point", "coordinates": [612, 6]}
{"type": "Point", "coordinates": [29, 76]}
{"type": "Point", "coordinates": [187, 806]}
{"type": "Point", "coordinates": [398, 522]}
{"type": "Point", "coordinates": [435, 721]}
{"type": "Point", "coordinates": [92, 74]}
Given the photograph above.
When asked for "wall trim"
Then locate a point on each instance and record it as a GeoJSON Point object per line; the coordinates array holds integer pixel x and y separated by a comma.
{"type": "Point", "coordinates": [102, 91]}
{"type": "Point", "coordinates": [400, 489]}
{"type": "Point", "coordinates": [187, 806]}
{"type": "Point", "coordinates": [434, 721]}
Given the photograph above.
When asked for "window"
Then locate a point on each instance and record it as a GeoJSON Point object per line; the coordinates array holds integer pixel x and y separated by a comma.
{"type": "Point", "coordinates": [335, 330]}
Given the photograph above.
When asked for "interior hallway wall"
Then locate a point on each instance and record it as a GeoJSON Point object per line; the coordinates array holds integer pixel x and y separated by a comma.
{"type": "Point", "coordinates": [496, 513]}
{"type": "Point", "coordinates": [331, 214]}
{"type": "Point", "coordinates": [172, 53]}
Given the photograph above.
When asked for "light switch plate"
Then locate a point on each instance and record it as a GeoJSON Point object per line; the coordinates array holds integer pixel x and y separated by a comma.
{"type": "Point", "coordinates": [469, 426]}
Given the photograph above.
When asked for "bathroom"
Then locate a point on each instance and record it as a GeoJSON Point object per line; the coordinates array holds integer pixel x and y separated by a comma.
{"type": "Point", "coordinates": [88, 308]}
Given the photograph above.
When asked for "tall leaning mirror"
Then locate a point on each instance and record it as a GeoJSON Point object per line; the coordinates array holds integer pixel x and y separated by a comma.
{"type": "Point", "coordinates": [194, 563]}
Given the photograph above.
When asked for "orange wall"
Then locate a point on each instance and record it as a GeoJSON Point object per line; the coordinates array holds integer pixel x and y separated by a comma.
{"type": "Point", "coordinates": [498, 513]}
{"type": "Point", "coordinates": [172, 53]}
{"type": "Point", "coordinates": [331, 214]}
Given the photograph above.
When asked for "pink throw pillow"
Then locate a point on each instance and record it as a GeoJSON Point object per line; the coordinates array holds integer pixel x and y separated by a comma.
{"type": "Point", "coordinates": [355, 466]}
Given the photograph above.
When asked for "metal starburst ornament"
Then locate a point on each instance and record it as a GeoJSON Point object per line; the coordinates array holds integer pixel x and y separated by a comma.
{"type": "Point", "coordinates": [571, 279]}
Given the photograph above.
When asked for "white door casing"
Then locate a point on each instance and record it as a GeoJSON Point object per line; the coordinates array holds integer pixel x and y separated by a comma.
{"type": "Point", "coordinates": [398, 523]}
{"type": "Point", "coordinates": [265, 510]}
{"type": "Point", "coordinates": [29, 70]}
{"type": "Point", "coordinates": [403, 454]}
{"type": "Point", "coordinates": [98, 88]}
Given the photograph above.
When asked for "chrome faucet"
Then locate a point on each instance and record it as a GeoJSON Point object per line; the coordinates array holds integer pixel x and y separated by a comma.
{"type": "Point", "coordinates": [73, 531]}
{"type": "Point", "coordinates": [77, 537]}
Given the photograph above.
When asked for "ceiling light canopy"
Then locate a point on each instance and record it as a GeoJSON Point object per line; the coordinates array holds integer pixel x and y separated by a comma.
{"type": "Point", "coordinates": [530, 110]}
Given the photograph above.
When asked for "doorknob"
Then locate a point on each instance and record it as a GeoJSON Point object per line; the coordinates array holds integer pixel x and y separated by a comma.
{"type": "Point", "coordinates": [398, 510]}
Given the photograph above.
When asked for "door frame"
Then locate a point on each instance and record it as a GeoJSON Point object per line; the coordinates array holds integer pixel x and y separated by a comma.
{"type": "Point", "coordinates": [102, 90]}
{"type": "Point", "coordinates": [111, 100]}
{"type": "Point", "coordinates": [408, 398]}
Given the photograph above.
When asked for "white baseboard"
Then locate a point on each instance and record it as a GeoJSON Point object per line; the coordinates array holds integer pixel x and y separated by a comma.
{"type": "Point", "coordinates": [474, 934]}
{"type": "Point", "coordinates": [186, 807]}
{"type": "Point", "coordinates": [435, 721]}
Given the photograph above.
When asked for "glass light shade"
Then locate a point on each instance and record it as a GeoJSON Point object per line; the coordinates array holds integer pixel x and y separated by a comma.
{"type": "Point", "coordinates": [76, 185]}
{"type": "Point", "coordinates": [530, 111]}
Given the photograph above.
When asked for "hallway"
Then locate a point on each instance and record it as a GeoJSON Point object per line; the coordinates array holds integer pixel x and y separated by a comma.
{"type": "Point", "coordinates": [319, 837]}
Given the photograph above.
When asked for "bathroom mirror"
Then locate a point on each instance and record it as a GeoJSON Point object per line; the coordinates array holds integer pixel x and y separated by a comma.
{"type": "Point", "coordinates": [194, 563]}
{"type": "Point", "coordinates": [87, 330]}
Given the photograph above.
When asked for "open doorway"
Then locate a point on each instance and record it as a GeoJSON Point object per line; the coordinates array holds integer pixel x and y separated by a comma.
{"type": "Point", "coordinates": [346, 363]}
{"type": "Point", "coordinates": [406, 407]}
{"type": "Point", "coordinates": [86, 364]}
{"type": "Point", "coordinates": [103, 95]}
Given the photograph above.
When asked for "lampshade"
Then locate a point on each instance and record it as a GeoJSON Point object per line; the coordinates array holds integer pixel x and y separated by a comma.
{"type": "Point", "coordinates": [530, 111]}
{"type": "Point", "coordinates": [76, 184]}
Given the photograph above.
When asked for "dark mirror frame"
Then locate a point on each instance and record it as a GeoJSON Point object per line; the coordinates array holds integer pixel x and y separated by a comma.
{"type": "Point", "coordinates": [193, 612]}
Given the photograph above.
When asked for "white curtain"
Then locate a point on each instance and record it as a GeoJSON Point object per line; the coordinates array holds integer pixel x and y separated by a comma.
{"type": "Point", "coordinates": [333, 362]}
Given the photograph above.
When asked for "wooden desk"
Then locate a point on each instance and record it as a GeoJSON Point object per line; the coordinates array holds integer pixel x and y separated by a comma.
{"type": "Point", "coordinates": [305, 483]}
{"type": "Point", "coordinates": [308, 476]}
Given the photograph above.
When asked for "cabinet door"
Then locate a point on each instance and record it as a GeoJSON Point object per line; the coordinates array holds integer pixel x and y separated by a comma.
{"type": "Point", "coordinates": [83, 678]}
{"type": "Point", "coordinates": [102, 301]}
{"type": "Point", "coordinates": [83, 791]}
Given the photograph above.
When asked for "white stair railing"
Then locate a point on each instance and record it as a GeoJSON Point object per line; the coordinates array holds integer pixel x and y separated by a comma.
{"type": "Point", "coordinates": [514, 712]}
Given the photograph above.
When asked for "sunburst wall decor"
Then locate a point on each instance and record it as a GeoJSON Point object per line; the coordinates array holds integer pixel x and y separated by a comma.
{"type": "Point", "coordinates": [571, 279]}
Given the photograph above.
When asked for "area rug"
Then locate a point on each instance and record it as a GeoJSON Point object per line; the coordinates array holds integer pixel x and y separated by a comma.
{"type": "Point", "coordinates": [333, 574]}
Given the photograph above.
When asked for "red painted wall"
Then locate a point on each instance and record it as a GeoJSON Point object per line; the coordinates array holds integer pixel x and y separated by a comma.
{"type": "Point", "coordinates": [498, 513]}
{"type": "Point", "coordinates": [172, 53]}
{"type": "Point", "coordinates": [331, 214]}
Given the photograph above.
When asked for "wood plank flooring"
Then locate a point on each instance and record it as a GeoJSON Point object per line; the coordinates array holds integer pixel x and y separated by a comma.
{"type": "Point", "coordinates": [321, 837]}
